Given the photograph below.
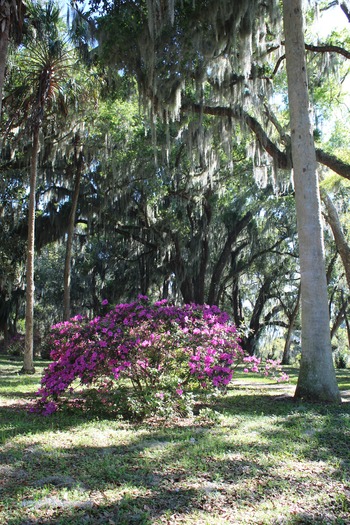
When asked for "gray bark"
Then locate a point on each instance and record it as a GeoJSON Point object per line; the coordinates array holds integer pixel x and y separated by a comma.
{"type": "Point", "coordinates": [281, 158]}
{"type": "Point", "coordinates": [316, 381]}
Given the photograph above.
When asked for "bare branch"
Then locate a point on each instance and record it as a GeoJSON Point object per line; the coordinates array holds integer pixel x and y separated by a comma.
{"type": "Point", "coordinates": [345, 7]}
{"type": "Point", "coordinates": [327, 48]}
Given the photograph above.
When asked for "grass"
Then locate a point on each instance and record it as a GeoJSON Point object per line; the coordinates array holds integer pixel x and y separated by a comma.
{"type": "Point", "coordinates": [264, 459]}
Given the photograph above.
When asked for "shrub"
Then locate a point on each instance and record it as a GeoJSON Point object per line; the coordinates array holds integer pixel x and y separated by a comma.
{"type": "Point", "coordinates": [341, 359]}
{"type": "Point", "coordinates": [15, 345]}
{"type": "Point", "coordinates": [141, 359]}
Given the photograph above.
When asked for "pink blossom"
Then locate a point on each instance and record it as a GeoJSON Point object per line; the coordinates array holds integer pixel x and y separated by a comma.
{"type": "Point", "coordinates": [144, 340]}
{"type": "Point", "coordinates": [160, 395]}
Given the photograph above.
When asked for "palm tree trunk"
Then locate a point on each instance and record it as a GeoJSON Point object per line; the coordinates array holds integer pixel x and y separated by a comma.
{"type": "Point", "coordinates": [316, 381]}
{"type": "Point", "coordinates": [28, 366]}
{"type": "Point", "coordinates": [69, 245]}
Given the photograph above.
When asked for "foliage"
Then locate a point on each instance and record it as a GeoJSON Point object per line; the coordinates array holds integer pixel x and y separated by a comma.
{"type": "Point", "coordinates": [140, 359]}
{"type": "Point", "coordinates": [15, 345]}
{"type": "Point", "coordinates": [341, 349]}
{"type": "Point", "coordinates": [176, 225]}
{"type": "Point", "coordinates": [341, 359]}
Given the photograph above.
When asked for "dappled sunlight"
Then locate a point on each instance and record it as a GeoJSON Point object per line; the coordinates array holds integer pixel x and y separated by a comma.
{"type": "Point", "coordinates": [255, 459]}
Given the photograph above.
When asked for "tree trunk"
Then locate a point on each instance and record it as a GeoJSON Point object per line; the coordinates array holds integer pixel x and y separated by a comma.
{"type": "Point", "coordinates": [5, 21]}
{"type": "Point", "coordinates": [338, 234]}
{"type": "Point", "coordinates": [292, 318]}
{"type": "Point", "coordinates": [213, 295]}
{"type": "Point", "coordinates": [347, 324]}
{"type": "Point", "coordinates": [236, 302]}
{"type": "Point", "coordinates": [28, 366]}
{"type": "Point", "coordinates": [340, 318]}
{"type": "Point", "coordinates": [199, 279]}
{"type": "Point", "coordinates": [316, 381]}
{"type": "Point", "coordinates": [255, 325]}
{"type": "Point", "coordinates": [69, 245]}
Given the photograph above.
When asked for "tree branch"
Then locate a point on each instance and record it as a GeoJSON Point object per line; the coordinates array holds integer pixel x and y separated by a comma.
{"type": "Point", "coordinates": [345, 7]}
{"type": "Point", "coordinates": [282, 159]}
{"type": "Point", "coordinates": [328, 48]}
{"type": "Point", "coordinates": [322, 48]}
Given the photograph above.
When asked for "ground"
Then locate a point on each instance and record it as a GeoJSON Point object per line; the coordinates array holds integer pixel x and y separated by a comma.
{"type": "Point", "coordinates": [255, 457]}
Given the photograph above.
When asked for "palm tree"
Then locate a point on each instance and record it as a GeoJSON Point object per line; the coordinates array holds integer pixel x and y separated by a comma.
{"type": "Point", "coordinates": [43, 64]}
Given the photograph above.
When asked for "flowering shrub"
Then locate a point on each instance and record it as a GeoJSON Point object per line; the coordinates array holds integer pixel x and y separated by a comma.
{"type": "Point", "coordinates": [140, 359]}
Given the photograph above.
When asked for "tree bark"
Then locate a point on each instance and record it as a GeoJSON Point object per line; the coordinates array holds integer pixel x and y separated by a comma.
{"type": "Point", "coordinates": [281, 158]}
{"type": "Point", "coordinates": [338, 234]}
{"type": "Point", "coordinates": [69, 245]}
{"type": "Point", "coordinates": [255, 325]}
{"type": "Point", "coordinates": [213, 294]}
{"type": "Point", "coordinates": [288, 342]}
{"type": "Point", "coordinates": [5, 21]}
{"type": "Point", "coordinates": [316, 381]}
{"type": "Point", "coordinates": [345, 6]}
{"type": "Point", "coordinates": [199, 278]}
{"type": "Point", "coordinates": [340, 318]}
{"type": "Point", "coordinates": [28, 358]}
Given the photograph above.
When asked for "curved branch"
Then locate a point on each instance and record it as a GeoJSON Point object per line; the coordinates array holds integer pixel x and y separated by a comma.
{"type": "Point", "coordinates": [278, 63]}
{"type": "Point", "coordinates": [323, 48]}
{"type": "Point", "coordinates": [333, 162]}
{"type": "Point", "coordinates": [282, 159]}
{"type": "Point", "coordinates": [327, 48]}
{"type": "Point", "coordinates": [338, 233]}
{"type": "Point", "coordinates": [345, 7]}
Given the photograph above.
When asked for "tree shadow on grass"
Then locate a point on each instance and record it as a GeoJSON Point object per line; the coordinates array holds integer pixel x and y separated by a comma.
{"type": "Point", "coordinates": [17, 420]}
{"type": "Point", "coordinates": [323, 435]}
{"type": "Point", "coordinates": [114, 515]}
{"type": "Point", "coordinates": [140, 510]}
{"type": "Point", "coordinates": [150, 478]}
{"type": "Point", "coordinates": [147, 478]}
{"type": "Point", "coordinates": [148, 488]}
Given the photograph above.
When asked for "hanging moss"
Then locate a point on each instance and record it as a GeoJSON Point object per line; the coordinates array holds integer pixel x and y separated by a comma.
{"type": "Point", "coordinates": [200, 50]}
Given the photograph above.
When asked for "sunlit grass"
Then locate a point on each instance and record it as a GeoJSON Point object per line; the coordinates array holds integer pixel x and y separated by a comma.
{"type": "Point", "coordinates": [263, 459]}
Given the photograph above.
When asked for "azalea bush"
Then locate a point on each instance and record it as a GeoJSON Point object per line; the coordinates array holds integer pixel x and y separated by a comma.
{"type": "Point", "coordinates": [141, 359]}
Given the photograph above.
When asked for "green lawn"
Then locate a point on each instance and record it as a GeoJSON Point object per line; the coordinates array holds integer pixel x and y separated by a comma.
{"type": "Point", "coordinates": [264, 459]}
